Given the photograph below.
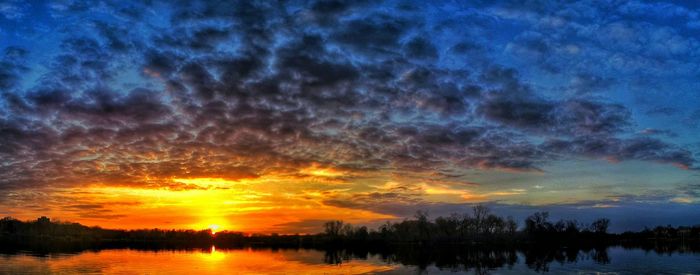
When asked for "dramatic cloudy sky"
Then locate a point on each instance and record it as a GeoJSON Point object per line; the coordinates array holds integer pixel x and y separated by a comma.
{"type": "Point", "coordinates": [277, 116]}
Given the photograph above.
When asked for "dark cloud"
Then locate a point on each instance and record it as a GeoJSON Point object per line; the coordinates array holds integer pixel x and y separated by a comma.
{"type": "Point", "coordinates": [159, 64]}
{"type": "Point", "coordinates": [196, 39]}
{"type": "Point", "coordinates": [374, 34]}
{"type": "Point", "coordinates": [327, 13]}
{"type": "Point", "coordinates": [238, 89]}
{"type": "Point", "coordinates": [616, 149]}
{"type": "Point", "coordinates": [302, 60]}
{"type": "Point", "coordinates": [419, 47]}
{"type": "Point", "coordinates": [515, 104]}
{"type": "Point", "coordinates": [12, 66]}
{"type": "Point", "coordinates": [518, 111]}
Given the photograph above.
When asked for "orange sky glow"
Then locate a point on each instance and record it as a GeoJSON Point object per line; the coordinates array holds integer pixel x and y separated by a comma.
{"type": "Point", "coordinates": [274, 203]}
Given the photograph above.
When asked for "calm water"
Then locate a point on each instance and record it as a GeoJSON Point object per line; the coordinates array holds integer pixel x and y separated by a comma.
{"type": "Point", "coordinates": [613, 260]}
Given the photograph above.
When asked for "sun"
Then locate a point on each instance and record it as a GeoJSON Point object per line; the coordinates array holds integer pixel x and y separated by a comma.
{"type": "Point", "coordinates": [214, 228]}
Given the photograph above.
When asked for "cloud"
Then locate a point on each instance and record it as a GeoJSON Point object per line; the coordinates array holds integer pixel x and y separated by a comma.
{"type": "Point", "coordinates": [312, 226]}
{"type": "Point", "coordinates": [651, 131]}
{"type": "Point", "coordinates": [377, 33]}
{"type": "Point", "coordinates": [241, 93]}
{"type": "Point", "coordinates": [614, 149]}
{"type": "Point", "coordinates": [13, 10]}
{"type": "Point", "coordinates": [13, 66]}
{"type": "Point", "coordinates": [516, 105]}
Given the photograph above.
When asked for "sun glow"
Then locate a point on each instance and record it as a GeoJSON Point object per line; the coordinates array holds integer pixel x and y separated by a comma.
{"type": "Point", "coordinates": [213, 255]}
{"type": "Point", "coordinates": [317, 170]}
{"type": "Point", "coordinates": [268, 204]}
{"type": "Point", "coordinates": [214, 228]}
{"type": "Point", "coordinates": [209, 182]}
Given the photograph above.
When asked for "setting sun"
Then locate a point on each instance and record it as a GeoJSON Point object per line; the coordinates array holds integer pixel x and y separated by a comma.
{"type": "Point", "coordinates": [214, 228]}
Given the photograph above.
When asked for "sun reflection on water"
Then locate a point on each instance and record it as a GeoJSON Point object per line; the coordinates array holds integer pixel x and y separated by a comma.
{"type": "Point", "coordinates": [214, 255]}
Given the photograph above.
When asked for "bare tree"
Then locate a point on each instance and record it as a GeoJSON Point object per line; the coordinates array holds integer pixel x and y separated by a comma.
{"type": "Point", "coordinates": [480, 214]}
{"type": "Point", "coordinates": [333, 228]}
{"type": "Point", "coordinates": [537, 223]}
{"type": "Point", "coordinates": [511, 225]}
{"type": "Point", "coordinates": [600, 226]}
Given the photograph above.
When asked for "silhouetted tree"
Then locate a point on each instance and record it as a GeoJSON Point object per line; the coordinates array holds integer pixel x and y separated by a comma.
{"type": "Point", "coordinates": [347, 230]}
{"type": "Point", "coordinates": [422, 225]}
{"type": "Point", "coordinates": [537, 223]}
{"type": "Point", "coordinates": [480, 212]}
{"type": "Point", "coordinates": [571, 227]}
{"type": "Point", "coordinates": [333, 228]}
{"type": "Point", "coordinates": [600, 226]}
{"type": "Point", "coordinates": [447, 227]}
{"type": "Point", "coordinates": [511, 226]}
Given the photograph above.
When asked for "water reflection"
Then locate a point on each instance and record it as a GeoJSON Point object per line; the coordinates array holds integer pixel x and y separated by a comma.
{"type": "Point", "coordinates": [654, 258]}
{"type": "Point", "coordinates": [540, 259]}
{"type": "Point", "coordinates": [473, 259]}
{"type": "Point", "coordinates": [215, 260]}
{"type": "Point", "coordinates": [452, 259]}
{"type": "Point", "coordinates": [213, 255]}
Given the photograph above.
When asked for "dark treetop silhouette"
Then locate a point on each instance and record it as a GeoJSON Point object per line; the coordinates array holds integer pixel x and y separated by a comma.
{"type": "Point", "coordinates": [478, 228]}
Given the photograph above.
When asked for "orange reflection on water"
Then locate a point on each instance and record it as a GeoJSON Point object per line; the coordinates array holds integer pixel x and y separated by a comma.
{"type": "Point", "coordinates": [211, 261]}
{"type": "Point", "coordinates": [213, 255]}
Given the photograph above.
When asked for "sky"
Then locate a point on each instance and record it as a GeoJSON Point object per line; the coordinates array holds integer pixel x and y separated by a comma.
{"type": "Point", "coordinates": [276, 116]}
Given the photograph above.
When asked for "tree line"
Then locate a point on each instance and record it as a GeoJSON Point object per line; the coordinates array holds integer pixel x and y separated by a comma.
{"type": "Point", "coordinates": [476, 227]}
{"type": "Point", "coordinates": [479, 226]}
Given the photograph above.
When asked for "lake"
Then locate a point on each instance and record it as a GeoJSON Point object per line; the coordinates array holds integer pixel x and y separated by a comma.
{"type": "Point", "coordinates": [611, 260]}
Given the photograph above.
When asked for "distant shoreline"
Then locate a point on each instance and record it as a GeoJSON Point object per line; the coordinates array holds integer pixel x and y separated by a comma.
{"type": "Point", "coordinates": [481, 228]}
